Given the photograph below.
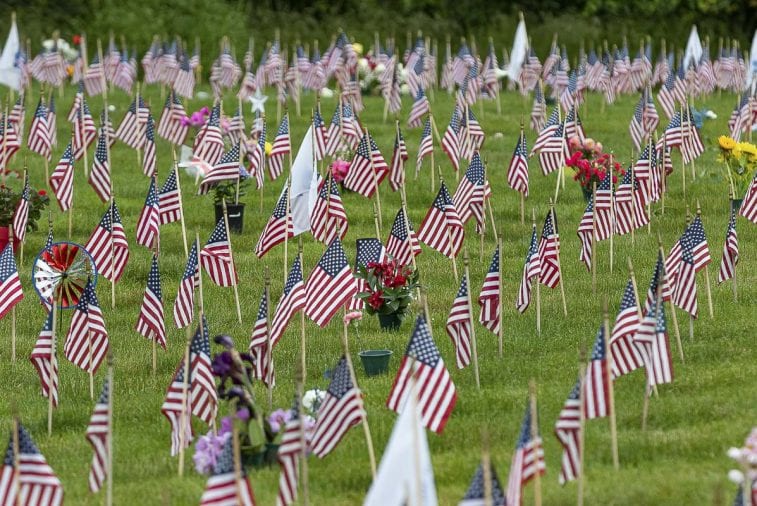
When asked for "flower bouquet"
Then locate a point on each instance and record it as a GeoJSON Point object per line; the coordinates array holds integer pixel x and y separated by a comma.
{"type": "Point", "coordinates": [746, 477]}
{"type": "Point", "coordinates": [389, 290]}
{"type": "Point", "coordinates": [740, 160]}
{"type": "Point", "coordinates": [9, 200]}
{"type": "Point", "coordinates": [591, 164]}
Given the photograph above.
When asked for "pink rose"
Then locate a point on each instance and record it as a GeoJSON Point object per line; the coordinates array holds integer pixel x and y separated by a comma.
{"type": "Point", "coordinates": [574, 143]}
{"type": "Point", "coordinates": [589, 144]}
{"type": "Point", "coordinates": [354, 315]}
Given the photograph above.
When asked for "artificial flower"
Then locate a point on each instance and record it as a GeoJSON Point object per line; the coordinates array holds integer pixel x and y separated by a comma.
{"type": "Point", "coordinates": [726, 142]}
{"type": "Point", "coordinates": [353, 315]}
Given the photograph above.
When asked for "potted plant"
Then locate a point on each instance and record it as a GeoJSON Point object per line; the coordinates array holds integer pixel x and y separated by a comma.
{"type": "Point", "coordinates": [374, 362]}
{"type": "Point", "coordinates": [740, 160]}
{"type": "Point", "coordinates": [259, 432]}
{"type": "Point", "coordinates": [590, 164]}
{"type": "Point", "coordinates": [9, 200]}
{"type": "Point", "coordinates": [227, 191]}
{"type": "Point", "coordinates": [390, 290]}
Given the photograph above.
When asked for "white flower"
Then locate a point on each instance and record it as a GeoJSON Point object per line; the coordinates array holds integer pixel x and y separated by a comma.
{"type": "Point", "coordinates": [362, 64]}
{"type": "Point", "coordinates": [735, 476]}
{"type": "Point", "coordinates": [380, 68]}
{"type": "Point", "coordinates": [326, 93]}
{"type": "Point", "coordinates": [499, 135]}
{"type": "Point", "coordinates": [313, 399]}
{"type": "Point", "coordinates": [405, 89]}
{"type": "Point", "coordinates": [735, 453]}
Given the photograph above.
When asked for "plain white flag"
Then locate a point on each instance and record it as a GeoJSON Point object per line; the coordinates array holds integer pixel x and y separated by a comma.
{"type": "Point", "coordinates": [518, 54]}
{"type": "Point", "coordinates": [405, 475]}
{"type": "Point", "coordinates": [10, 75]}
{"type": "Point", "coordinates": [693, 49]}
{"type": "Point", "coordinates": [304, 184]}
{"type": "Point", "coordinates": [751, 72]}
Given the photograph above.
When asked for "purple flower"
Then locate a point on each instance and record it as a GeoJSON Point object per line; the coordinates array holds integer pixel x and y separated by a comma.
{"type": "Point", "coordinates": [278, 419]}
{"type": "Point", "coordinates": [226, 425]}
{"type": "Point", "coordinates": [243, 414]}
{"type": "Point", "coordinates": [223, 363]}
{"type": "Point", "coordinates": [207, 450]}
{"type": "Point", "coordinates": [225, 341]}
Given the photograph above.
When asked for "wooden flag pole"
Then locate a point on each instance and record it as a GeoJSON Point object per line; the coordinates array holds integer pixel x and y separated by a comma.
{"type": "Point", "coordinates": [269, 365]}
{"type": "Point", "coordinates": [559, 266]}
{"type": "Point", "coordinates": [593, 248]}
{"type": "Point", "coordinates": [691, 317]}
{"type": "Point", "coordinates": [231, 256]}
{"type": "Point", "coordinates": [53, 368]}
{"type": "Point", "coordinates": [376, 223]}
{"type": "Point", "coordinates": [474, 347]}
{"type": "Point", "coordinates": [581, 423]}
{"type": "Point", "coordinates": [706, 272]}
{"type": "Point", "coordinates": [181, 204]}
{"type": "Point", "coordinates": [648, 390]}
{"type": "Point", "coordinates": [13, 310]}
{"type": "Point", "coordinates": [71, 208]}
{"type": "Point", "coordinates": [522, 195]}
{"type": "Point", "coordinates": [433, 178]}
{"type": "Point", "coordinates": [449, 242]}
{"type": "Point", "coordinates": [288, 217]}
{"type": "Point", "coordinates": [535, 280]}
{"type": "Point", "coordinates": [140, 134]}
{"type": "Point", "coordinates": [610, 392]}
{"type": "Point", "coordinates": [486, 468]}
{"type": "Point", "coordinates": [487, 201]}
{"type": "Point", "coordinates": [683, 165]}
{"type": "Point", "coordinates": [633, 190]}
{"type": "Point", "coordinates": [375, 179]}
{"type": "Point", "coordinates": [109, 441]}
{"type": "Point", "coordinates": [672, 308]}
{"type": "Point", "coordinates": [500, 304]}
{"type": "Point", "coordinates": [199, 275]}
{"type": "Point", "coordinates": [238, 470]}
{"type": "Point", "coordinates": [534, 434]}
{"type": "Point", "coordinates": [302, 378]}
{"type": "Point", "coordinates": [733, 277]}
{"type": "Point", "coordinates": [366, 429]}
{"type": "Point", "coordinates": [112, 250]}
{"type": "Point", "coordinates": [10, 228]}
{"type": "Point", "coordinates": [6, 124]}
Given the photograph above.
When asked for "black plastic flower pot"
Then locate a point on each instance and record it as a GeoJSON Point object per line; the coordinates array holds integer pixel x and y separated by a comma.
{"type": "Point", "coordinates": [236, 216]}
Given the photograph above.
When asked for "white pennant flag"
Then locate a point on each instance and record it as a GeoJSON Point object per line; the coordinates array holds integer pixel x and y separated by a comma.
{"type": "Point", "coordinates": [10, 75]}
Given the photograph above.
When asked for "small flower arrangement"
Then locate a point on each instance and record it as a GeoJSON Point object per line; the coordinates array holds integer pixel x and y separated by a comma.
{"type": "Point", "coordinates": [197, 118]}
{"type": "Point", "coordinates": [339, 169]}
{"type": "Point", "coordinates": [259, 433]}
{"type": "Point", "coordinates": [9, 199]}
{"type": "Point", "coordinates": [747, 460]}
{"type": "Point", "coordinates": [227, 190]}
{"type": "Point", "coordinates": [590, 164]}
{"type": "Point", "coordinates": [389, 287]}
{"type": "Point", "coordinates": [740, 159]}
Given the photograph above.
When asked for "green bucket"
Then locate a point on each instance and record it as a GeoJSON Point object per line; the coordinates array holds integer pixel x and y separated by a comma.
{"type": "Point", "coordinates": [375, 362]}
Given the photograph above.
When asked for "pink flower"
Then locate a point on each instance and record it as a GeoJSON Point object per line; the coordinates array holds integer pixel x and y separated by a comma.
{"type": "Point", "coordinates": [205, 111]}
{"type": "Point", "coordinates": [598, 147]}
{"type": "Point", "coordinates": [354, 315]}
{"type": "Point", "coordinates": [574, 142]}
{"type": "Point", "coordinates": [339, 169]}
{"type": "Point", "coordinates": [589, 144]}
{"type": "Point", "coordinates": [225, 124]}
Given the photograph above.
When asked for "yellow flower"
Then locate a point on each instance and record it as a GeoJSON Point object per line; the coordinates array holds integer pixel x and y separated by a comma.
{"type": "Point", "coordinates": [746, 147]}
{"type": "Point", "coordinates": [268, 148]}
{"type": "Point", "coordinates": [358, 47]}
{"type": "Point", "coordinates": [726, 142]}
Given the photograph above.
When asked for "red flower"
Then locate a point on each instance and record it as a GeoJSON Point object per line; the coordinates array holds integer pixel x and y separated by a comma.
{"type": "Point", "coordinates": [42, 193]}
{"type": "Point", "coordinates": [614, 179]}
{"type": "Point", "coordinates": [76, 39]}
{"type": "Point", "coordinates": [375, 300]}
{"type": "Point", "coordinates": [574, 159]}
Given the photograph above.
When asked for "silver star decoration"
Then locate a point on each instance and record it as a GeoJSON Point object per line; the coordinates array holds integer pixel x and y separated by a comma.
{"type": "Point", "coordinates": [258, 102]}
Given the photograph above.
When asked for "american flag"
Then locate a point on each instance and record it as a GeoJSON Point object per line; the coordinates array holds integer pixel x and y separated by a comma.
{"type": "Point", "coordinates": [282, 145]}
{"type": "Point", "coordinates": [528, 460]}
{"type": "Point", "coordinates": [99, 177]}
{"type": "Point", "coordinates": [426, 146]}
{"type": "Point", "coordinates": [34, 482]}
{"type": "Point", "coordinates": [130, 129]}
{"type": "Point", "coordinates": [106, 128]}
{"type": "Point", "coordinates": [169, 200]}
{"type": "Point", "coordinates": [171, 125]}
{"type": "Point", "coordinates": [148, 224]}
{"type": "Point", "coordinates": [227, 168]}
{"type": "Point", "coordinates": [10, 284]}
{"type": "Point", "coordinates": [451, 139]}
{"type": "Point", "coordinates": [476, 493]}
{"type": "Point", "coordinates": [259, 345]}
{"type": "Point", "coordinates": [459, 325]}
{"type": "Point", "coordinates": [531, 270]}
{"type": "Point", "coordinates": [748, 207]}
{"type": "Point", "coordinates": [652, 340]}
{"type": "Point", "coordinates": [351, 131]}
{"type": "Point", "coordinates": [151, 322]}
{"type": "Point", "coordinates": [596, 392]}
{"type": "Point", "coordinates": [691, 147]}
{"type": "Point", "coordinates": [184, 83]}
{"type": "Point", "coordinates": [216, 257]}
{"type": "Point", "coordinates": [651, 118]}
{"type": "Point", "coordinates": [538, 110]}
{"type": "Point", "coordinates": [94, 78]}
{"type": "Point", "coordinates": [740, 117]}
{"type": "Point", "coordinates": [549, 251]}
{"type": "Point", "coordinates": [292, 300]}
{"type": "Point", "coordinates": [227, 486]}
{"type": "Point", "coordinates": [334, 134]}
{"type": "Point", "coordinates": [700, 249]}
{"type": "Point", "coordinates": [369, 250]}
{"type": "Point", "coordinates": [423, 366]}
{"type": "Point", "coordinates": [673, 136]}
{"type": "Point", "coordinates": [442, 228]}
{"type": "Point", "coordinates": [517, 172]}
{"type": "Point", "coordinates": [568, 432]}
{"type": "Point", "coordinates": [148, 158]}
{"type": "Point", "coordinates": [573, 125]}
{"type": "Point", "coordinates": [330, 285]}
{"type": "Point", "coordinates": [21, 213]}
{"type": "Point", "coordinates": [290, 450]}
{"type": "Point", "coordinates": [637, 127]}
{"type": "Point", "coordinates": [108, 245]}
{"type": "Point", "coordinates": [183, 307]}
{"type": "Point", "coordinates": [420, 107]}
{"type": "Point", "coordinates": [39, 140]}
{"type": "Point", "coordinates": [202, 388]}
{"type": "Point", "coordinates": [685, 290]}
{"type": "Point", "coordinates": [328, 214]}
{"type": "Point", "coordinates": [469, 196]}
{"type": "Point", "coordinates": [17, 115]}
{"type": "Point", "coordinates": [472, 136]}
{"type": "Point", "coordinates": [98, 434]}
{"type": "Point", "coordinates": [402, 243]}
{"type": "Point", "coordinates": [208, 145]}
{"type": "Point", "coordinates": [42, 359]}
{"type": "Point", "coordinates": [625, 195]}
{"type": "Point", "coordinates": [660, 275]}
{"type": "Point", "coordinates": [554, 152]}
{"type": "Point", "coordinates": [62, 180]}
{"type": "Point", "coordinates": [342, 408]}
{"type": "Point", "coordinates": [399, 157]}
{"type": "Point", "coordinates": [256, 152]}
{"type": "Point", "coordinates": [549, 129]}
{"type": "Point", "coordinates": [730, 251]}
{"type": "Point", "coordinates": [87, 340]}
{"type": "Point", "coordinates": [626, 356]}
{"type": "Point", "coordinates": [319, 134]}
{"type": "Point", "coordinates": [586, 233]}
{"type": "Point", "coordinates": [603, 205]}
{"type": "Point", "coordinates": [490, 297]}
{"type": "Point", "coordinates": [367, 169]}
{"type": "Point", "coordinates": [666, 95]}
{"type": "Point", "coordinates": [279, 226]}
{"type": "Point", "coordinates": [10, 140]}
{"type": "Point", "coordinates": [51, 121]}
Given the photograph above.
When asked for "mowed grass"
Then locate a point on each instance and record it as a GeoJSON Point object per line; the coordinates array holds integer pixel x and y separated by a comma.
{"type": "Point", "coordinates": [679, 459]}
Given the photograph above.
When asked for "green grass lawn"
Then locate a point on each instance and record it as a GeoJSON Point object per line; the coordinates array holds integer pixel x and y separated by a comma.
{"type": "Point", "coordinates": [679, 459]}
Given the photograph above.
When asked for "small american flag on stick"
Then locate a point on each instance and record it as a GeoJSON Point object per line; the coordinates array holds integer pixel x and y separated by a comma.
{"type": "Point", "coordinates": [330, 286]}
{"type": "Point", "coordinates": [151, 321]}
{"type": "Point", "coordinates": [27, 478]}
